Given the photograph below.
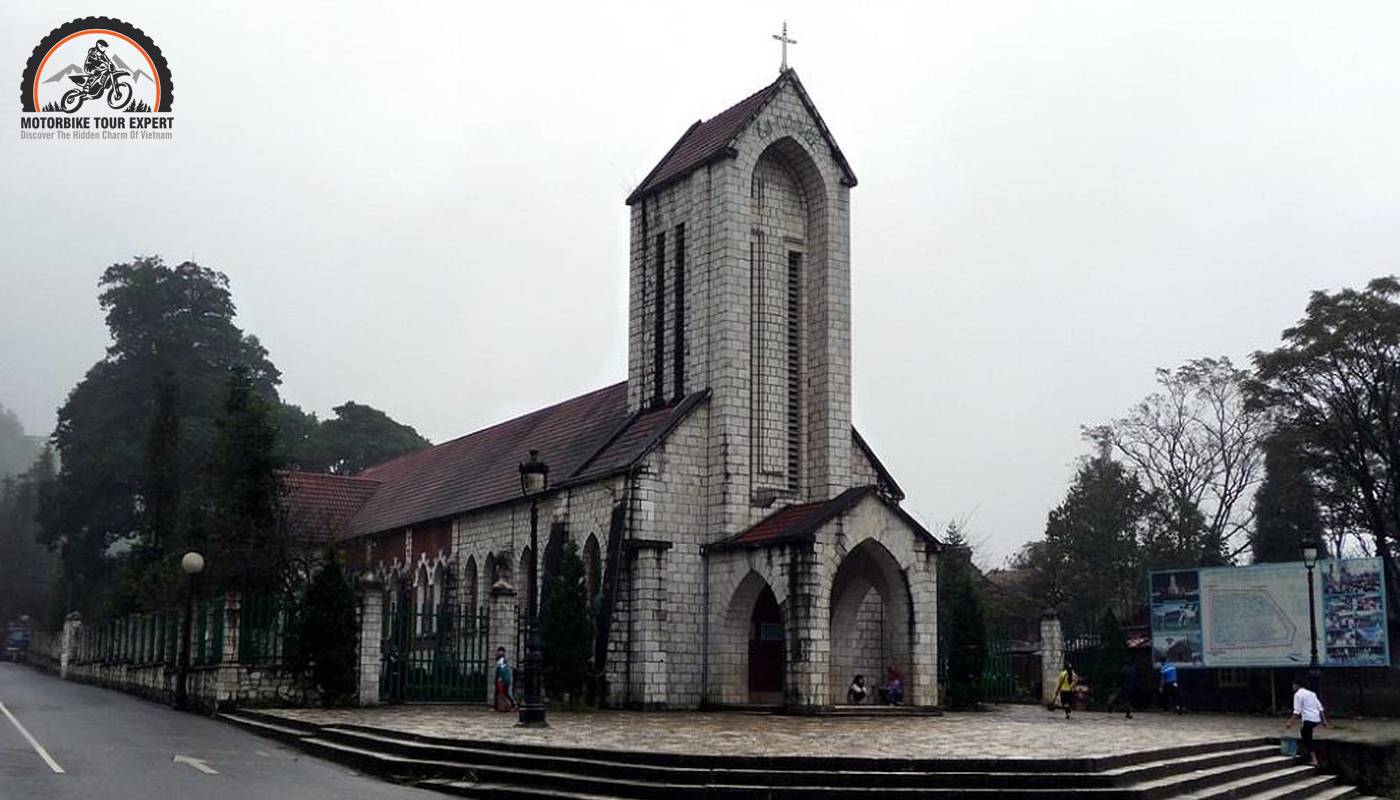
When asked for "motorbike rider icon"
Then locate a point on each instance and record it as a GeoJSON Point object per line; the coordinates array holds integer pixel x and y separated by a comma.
{"type": "Point", "coordinates": [99, 67]}
{"type": "Point", "coordinates": [102, 77]}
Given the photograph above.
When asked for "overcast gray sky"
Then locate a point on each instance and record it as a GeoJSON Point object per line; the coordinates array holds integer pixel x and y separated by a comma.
{"type": "Point", "coordinates": [420, 206]}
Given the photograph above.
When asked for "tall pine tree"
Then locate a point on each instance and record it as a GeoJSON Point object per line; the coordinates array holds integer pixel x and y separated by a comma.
{"type": "Point", "coordinates": [566, 628]}
{"type": "Point", "coordinates": [1286, 505]}
{"type": "Point", "coordinates": [960, 615]}
{"type": "Point", "coordinates": [329, 632]}
{"type": "Point", "coordinates": [244, 493]}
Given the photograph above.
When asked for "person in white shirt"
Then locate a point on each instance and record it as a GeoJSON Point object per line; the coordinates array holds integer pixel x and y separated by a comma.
{"type": "Point", "coordinates": [1308, 709]}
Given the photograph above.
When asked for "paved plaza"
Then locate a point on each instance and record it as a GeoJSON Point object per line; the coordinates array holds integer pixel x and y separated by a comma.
{"type": "Point", "coordinates": [1002, 732]}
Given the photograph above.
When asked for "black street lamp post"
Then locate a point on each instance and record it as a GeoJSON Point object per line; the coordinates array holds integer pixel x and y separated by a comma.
{"type": "Point", "coordinates": [192, 564]}
{"type": "Point", "coordinates": [534, 480]}
{"type": "Point", "coordinates": [1310, 551]}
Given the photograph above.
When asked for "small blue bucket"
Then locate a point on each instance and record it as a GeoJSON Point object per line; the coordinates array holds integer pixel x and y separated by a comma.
{"type": "Point", "coordinates": [1288, 746]}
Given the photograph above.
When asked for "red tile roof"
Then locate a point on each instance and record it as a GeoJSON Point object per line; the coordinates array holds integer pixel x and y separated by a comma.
{"type": "Point", "coordinates": [800, 522]}
{"type": "Point", "coordinates": [580, 439]}
{"type": "Point", "coordinates": [319, 506]}
{"type": "Point", "coordinates": [711, 139]}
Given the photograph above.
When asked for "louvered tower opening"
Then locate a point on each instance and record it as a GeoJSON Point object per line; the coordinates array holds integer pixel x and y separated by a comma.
{"type": "Point", "coordinates": [794, 368]}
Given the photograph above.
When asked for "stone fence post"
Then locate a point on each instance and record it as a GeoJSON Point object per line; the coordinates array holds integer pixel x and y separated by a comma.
{"type": "Point", "coordinates": [72, 624]}
{"type": "Point", "coordinates": [1052, 655]}
{"type": "Point", "coordinates": [503, 620]}
{"type": "Point", "coordinates": [370, 634]}
{"type": "Point", "coordinates": [227, 688]}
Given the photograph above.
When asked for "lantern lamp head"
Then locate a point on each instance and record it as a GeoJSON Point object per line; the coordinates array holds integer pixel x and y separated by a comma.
{"type": "Point", "coordinates": [1310, 549]}
{"type": "Point", "coordinates": [534, 475]}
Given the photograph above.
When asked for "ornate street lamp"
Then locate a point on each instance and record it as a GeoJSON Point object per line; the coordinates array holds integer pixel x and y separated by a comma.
{"type": "Point", "coordinates": [192, 564]}
{"type": "Point", "coordinates": [1310, 551]}
{"type": "Point", "coordinates": [534, 481]}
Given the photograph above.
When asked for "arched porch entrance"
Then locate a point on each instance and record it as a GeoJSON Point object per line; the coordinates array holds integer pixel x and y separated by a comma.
{"type": "Point", "coordinates": [766, 644]}
{"type": "Point", "coordinates": [755, 631]}
{"type": "Point", "coordinates": [871, 621]}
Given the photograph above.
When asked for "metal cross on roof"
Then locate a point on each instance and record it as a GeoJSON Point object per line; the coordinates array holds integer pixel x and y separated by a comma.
{"type": "Point", "coordinates": [783, 37]}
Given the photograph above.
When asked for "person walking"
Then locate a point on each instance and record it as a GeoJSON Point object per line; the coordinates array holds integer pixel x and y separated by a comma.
{"type": "Point", "coordinates": [505, 698]}
{"type": "Point", "coordinates": [1127, 687]}
{"type": "Point", "coordinates": [1308, 709]}
{"type": "Point", "coordinates": [1170, 687]}
{"type": "Point", "coordinates": [1065, 687]}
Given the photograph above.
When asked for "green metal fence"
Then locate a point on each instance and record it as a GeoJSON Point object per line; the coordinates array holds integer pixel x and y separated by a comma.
{"type": "Point", "coordinates": [267, 630]}
{"type": "Point", "coordinates": [208, 633]}
{"type": "Point", "coordinates": [434, 655]}
{"type": "Point", "coordinates": [998, 674]}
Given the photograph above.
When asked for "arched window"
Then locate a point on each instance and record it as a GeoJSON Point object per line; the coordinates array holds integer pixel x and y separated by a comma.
{"type": "Point", "coordinates": [469, 584]}
{"type": "Point", "coordinates": [527, 572]}
{"type": "Point", "coordinates": [420, 601]}
{"type": "Point", "coordinates": [593, 568]}
{"type": "Point", "coordinates": [435, 597]}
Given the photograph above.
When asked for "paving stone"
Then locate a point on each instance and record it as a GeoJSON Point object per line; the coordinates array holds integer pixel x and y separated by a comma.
{"type": "Point", "coordinates": [1003, 732]}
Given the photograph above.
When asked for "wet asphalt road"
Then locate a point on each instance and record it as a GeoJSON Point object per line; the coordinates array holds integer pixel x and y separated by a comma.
{"type": "Point", "coordinates": [112, 745]}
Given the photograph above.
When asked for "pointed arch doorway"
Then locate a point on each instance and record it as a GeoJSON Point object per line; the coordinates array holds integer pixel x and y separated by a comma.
{"type": "Point", "coordinates": [766, 649]}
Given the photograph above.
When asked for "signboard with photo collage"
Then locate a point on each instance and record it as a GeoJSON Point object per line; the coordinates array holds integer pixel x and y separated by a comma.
{"type": "Point", "coordinates": [1257, 616]}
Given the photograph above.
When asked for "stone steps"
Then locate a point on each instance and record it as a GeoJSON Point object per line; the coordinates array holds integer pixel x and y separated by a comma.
{"type": "Point", "coordinates": [1228, 770]}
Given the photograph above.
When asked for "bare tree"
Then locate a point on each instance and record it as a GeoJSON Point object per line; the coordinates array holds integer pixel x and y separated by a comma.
{"type": "Point", "coordinates": [1196, 447]}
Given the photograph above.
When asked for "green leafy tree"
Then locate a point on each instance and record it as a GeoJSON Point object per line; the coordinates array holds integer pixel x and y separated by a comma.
{"type": "Point", "coordinates": [1335, 382]}
{"type": "Point", "coordinates": [961, 616]}
{"type": "Point", "coordinates": [161, 490]}
{"type": "Point", "coordinates": [295, 428]}
{"type": "Point", "coordinates": [17, 451]}
{"type": "Point", "coordinates": [1194, 445]}
{"type": "Point", "coordinates": [1286, 511]}
{"type": "Point", "coordinates": [245, 492]}
{"type": "Point", "coordinates": [1093, 541]}
{"type": "Point", "coordinates": [359, 436]}
{"type": "Point", "coordinates": [1112, 656]}
{"type": "Point", "coordinates": [566, 628]}
{"type": "Point", "coordinates": [329, 632]}
{"type": "Point", "coordinates": [163, 321]}
{"type": "Point", "coordinates": [28, 570]}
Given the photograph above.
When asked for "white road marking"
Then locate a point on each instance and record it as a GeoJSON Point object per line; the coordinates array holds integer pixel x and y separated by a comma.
{"type": "Point", "coordinates": [38, 748]}
{"type": "Point", "coordinates": [197, 763]}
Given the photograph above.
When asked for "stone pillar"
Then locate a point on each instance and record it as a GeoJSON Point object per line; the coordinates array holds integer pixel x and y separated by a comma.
{"type": "Point", "coordinates": [650, 674]}
{"type": "Point", "coordinates": [371, 633]}
{"type": "Point", "coordinates": [503, 615]}
{"type": "Point", "coordinates": [1052, 655]}
{"type": "Point", "coordinates": [226, 687]}
{"type": "Point", "coordinates": [809, 640]}
{"type": "Point", "coordinates": [68, 647]}
{"type": "Point", "coordinates": [923, 587]}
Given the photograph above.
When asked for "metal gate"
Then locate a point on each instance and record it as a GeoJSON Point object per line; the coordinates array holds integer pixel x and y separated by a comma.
{"type": "Point", "coordinates": [999, 674]}
{"type": "Point", "coordinates": [434, 655]}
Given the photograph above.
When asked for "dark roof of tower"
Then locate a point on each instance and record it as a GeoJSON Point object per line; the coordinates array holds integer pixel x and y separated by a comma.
{"type": "Point", "coordinates": [800, 522]}
{"type": "Point", "coordinates": [712, 139]}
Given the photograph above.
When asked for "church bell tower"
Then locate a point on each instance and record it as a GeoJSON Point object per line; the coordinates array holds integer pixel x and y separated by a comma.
{"type": "Point", "coordinates": [740, 285]}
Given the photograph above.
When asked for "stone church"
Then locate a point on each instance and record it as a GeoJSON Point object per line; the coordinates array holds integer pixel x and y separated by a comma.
{"type": "Point", "coordinates": [743, 543]}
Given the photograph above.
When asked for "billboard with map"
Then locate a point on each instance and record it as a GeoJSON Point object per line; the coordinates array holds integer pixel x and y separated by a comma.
{"type": "Point", "coordinates": [1257, 616]}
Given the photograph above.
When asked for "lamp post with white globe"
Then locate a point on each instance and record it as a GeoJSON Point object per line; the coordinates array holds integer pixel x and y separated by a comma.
{"type": "Point", "coordinates": [192, 564]}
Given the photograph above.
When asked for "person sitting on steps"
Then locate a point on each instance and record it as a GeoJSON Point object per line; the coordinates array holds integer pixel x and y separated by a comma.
{"type": "Point", "coordinates": [857, 691]}
{"type": "Point", "coordinates": [892, 691]}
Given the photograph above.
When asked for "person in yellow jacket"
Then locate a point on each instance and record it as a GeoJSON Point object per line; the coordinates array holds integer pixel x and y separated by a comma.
{"type": "Point", "coordinates": [1065, 687]}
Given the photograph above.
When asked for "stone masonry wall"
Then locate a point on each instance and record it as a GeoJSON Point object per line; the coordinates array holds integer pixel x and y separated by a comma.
{"type": "Point", "coordinates": [717, 206]}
